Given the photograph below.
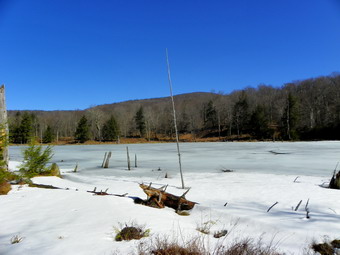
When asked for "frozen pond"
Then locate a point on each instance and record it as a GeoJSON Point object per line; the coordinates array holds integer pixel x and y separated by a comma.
{"type": "Point", "coordinates": [290, 158]}
{"type": "Point", "coordinates": [265, 173]}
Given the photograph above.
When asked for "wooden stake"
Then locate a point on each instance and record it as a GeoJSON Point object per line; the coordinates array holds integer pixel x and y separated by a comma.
{"type": "Point", "coordinates": [76, 168]}
{"type": "Point", "coordinates": [107, 162]}
{"type": "Point", "coordinates": [128, 157]}
{"type": "Point", "coordinates": [104, 159]}
{"type": "Point", "coordinates": [136, 160]}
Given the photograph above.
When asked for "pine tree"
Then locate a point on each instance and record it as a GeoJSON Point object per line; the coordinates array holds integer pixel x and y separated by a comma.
{"type": "Point", "coordinates": [82, 133]}
{"type": "Point", "coordinates": [258, 124]}
{"type": "Point", "coordinates": [110, 130]}
{"type": "Point", "coordinates": [14, 129]}
{"type": "Point", "coordinates": [26, 128]}
{"type": "Point", "coordinates": [210, 115]}
{"type": "Point", "coordinates": [290, 118]}
{"type": "Point", "coordinates": [48, 135]}
{"type": "Point", "coordinates": [241, 114]}
{"type": "Point", "coordinates": [140, 121]}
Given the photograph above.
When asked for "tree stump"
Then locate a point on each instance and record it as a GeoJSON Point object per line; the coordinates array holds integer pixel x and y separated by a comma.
{"type": "Point", "coordinates": [159, 198]}
{"type": "Point", "coordinates": [335, 181]}
{"type": "Point", "coordinates": [3, 128]}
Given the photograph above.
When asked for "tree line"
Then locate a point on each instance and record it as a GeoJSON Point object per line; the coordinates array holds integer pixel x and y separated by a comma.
{"type": "Point", "coordinates": [300, 110]}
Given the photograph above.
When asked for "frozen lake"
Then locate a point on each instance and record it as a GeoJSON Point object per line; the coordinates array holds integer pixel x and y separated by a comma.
{"type": "Point", "coordinates": [289, 158]}
{"type": "Point", "coordinates": [59, 220]}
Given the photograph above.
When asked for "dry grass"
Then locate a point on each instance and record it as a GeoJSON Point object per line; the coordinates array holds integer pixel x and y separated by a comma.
{"type": "Point", "coordinates": [162, 246]}
{"type": "Point", "coordinates": [248, 247]}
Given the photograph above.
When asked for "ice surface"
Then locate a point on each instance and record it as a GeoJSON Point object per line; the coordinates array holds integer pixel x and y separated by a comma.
{"type": "Point", "coordinates": [74, 221]}
{"type": "Point", "coordinates": [292, 158]}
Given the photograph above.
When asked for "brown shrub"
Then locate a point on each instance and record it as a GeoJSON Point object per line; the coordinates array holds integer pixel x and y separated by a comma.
{"type": "Point", "coordinates": [5, 187]}
{"type": "Point", "coordinates": [130, 233]}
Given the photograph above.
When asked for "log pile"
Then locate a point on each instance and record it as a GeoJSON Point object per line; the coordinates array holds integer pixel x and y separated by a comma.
{"type": "Point", "coordinates": [158, 198]}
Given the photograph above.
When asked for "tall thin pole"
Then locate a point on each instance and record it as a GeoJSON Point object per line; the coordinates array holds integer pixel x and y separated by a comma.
{"type": "Point", "coordinates": [175, 121]}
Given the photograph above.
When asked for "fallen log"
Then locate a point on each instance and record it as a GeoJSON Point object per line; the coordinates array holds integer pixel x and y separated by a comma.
{"type": "Point", "coordinates": [159, 198]}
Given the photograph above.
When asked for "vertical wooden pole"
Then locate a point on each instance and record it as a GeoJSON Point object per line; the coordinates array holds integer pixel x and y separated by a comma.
{"type": "Point", "coordinates": [76, 168]}
{"type": "Point", "coordinates": [128, 157]}
{"type": "Point", "coordinates": [175, 121]}
{"type": "Point", "coordinates": [136, 160]}
{"type": "Point", "coordinates": [104, 159]}
{"type": "Point", "coordinates": [4, 127]}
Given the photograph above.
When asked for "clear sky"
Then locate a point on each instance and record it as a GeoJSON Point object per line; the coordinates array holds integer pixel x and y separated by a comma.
{"type": "Point", "coordinates": [66, 55]}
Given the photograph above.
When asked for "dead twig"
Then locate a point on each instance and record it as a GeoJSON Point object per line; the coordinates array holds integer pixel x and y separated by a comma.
{"type": "Point", "coordinates": [298, 205]}
{"type": "Point", "coordinates": [272, 206]}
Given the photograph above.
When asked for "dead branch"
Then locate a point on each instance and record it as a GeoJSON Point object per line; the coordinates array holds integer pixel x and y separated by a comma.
{"type": "Point", "coordinates": [272, 206]}
{"type": "Point", "coordinates": [298, 205]}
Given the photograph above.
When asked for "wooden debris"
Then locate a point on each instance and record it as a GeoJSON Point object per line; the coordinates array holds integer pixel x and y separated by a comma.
{"type": "Point", "coordinates": [43, 186]}
{"type": "Point", "coordinates": [104, 193]}
{"type": "Point", "coordinates": [272, 206]}
{"type": "Point", "coordinates": [104, 159]}
{"type": "Point", "coordinates": [107, 159]}
{"type": "Point", "coordinates": [221, 233]}
{"type": "Point", "coordinates": [278, 153]}
{"type": "Point", "coordinates": [298, 205]}
{"type": "Point", "coordinates": [159, 198]}
{"type": "Point", "coordinates": [76, 168]}
{"type": "Point", "coordinates": [335, 181]}
{"type": "Point", "coordinates": [227, 170]}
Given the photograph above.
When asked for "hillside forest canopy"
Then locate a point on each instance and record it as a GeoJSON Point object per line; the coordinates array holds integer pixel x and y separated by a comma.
{"type": "Point", "coordinates": [301, 110]}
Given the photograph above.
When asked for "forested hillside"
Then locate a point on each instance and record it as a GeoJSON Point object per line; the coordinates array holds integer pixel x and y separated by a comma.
{"type": "Point", "coordinates": [302, 110]}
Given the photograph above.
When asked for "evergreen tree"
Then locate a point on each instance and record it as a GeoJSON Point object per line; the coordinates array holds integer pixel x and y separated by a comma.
{"type": "Point", "coordinates": [26, 128]}
{"type": "Point", "coordinates": [110, 130]}
{"type": "Point", "coordinates": [82, 133]}
{"type": "Point", "coordinates": [140, 121]}
{"type": "Point", "coordinates": [241, 114]}
{"type": "Point", "coordinates": [14, 129]}
{"type": "Point", "coordinates": [258, 124]}
{"type": "Point", "coordinates": [210, 115]}
{"type": "Point", "coordinates": [48, 136]}
{"type": "Point", "coordinates": [290, 118]}
{"type": "Point", "coordinates": [35, 160]}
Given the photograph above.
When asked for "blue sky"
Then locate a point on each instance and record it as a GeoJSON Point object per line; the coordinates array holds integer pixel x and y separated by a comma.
{"type": "Point", "coordinates": [66, 55]}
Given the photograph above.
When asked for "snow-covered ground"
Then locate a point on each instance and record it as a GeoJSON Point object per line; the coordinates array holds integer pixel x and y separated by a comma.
{"type": "Point", "coordinates": [74, 221]}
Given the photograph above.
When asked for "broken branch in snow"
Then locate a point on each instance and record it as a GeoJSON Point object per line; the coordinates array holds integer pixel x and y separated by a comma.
{"type": "Point", "coordinates": [307, 209]}
{"type": "Point", "coordinates": [298, 205]}
{"type": "Point", "coordinates": [272, 206]}
{"type": "Point", "coordinates": [104, 193]}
